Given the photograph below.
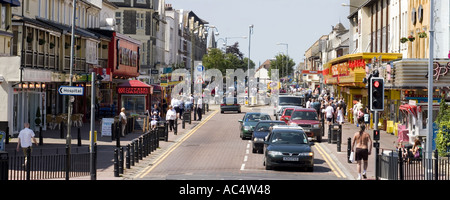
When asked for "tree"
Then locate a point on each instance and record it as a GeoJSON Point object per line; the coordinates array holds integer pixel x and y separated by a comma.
{"type": "Point", "coordinates": [280, 64]}
{"type": "Point", "coordinates": [443, 123]}
{"type": "Point", "coordinates": [216, 59]}
{"type": "Point", "coordinates": [234, 49]}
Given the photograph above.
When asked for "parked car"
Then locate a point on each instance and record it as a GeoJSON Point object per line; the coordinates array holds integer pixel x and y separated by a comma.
{"type": "Point", "coordinates": [307, 118]}
{"type": "Point", "coordinates": [288, 147]}
{"type": "Point", "coordinates": [230, 104]}
{"type": "Point", "coordinates": [260, 131]}
{"type": "Point", "coordinates": [249, 121]}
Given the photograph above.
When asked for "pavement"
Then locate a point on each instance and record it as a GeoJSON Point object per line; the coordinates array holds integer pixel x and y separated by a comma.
{"type": "Point", "coordinates": [105, 145]}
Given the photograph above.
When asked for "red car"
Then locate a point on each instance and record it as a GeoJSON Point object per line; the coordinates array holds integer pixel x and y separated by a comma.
{"type": "Point", "coordinates": [286, 116]}
{"type": "Point", "coordinates": [307, 118]}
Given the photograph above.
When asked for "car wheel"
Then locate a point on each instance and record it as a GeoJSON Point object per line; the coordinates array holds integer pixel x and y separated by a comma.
{"type": "Point", "coordinates": [319, 138]}
{"type": "Point", "coordinates": [310, 169]}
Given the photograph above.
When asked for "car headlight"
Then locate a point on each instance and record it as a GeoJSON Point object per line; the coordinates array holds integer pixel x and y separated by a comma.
{"type": "Point", "coordinates": [247, 128]}
{"type": "Point", "coordinates": [274, 153]}
{"type": "Point", "coordinates": [315, 126]}
{"type": "Point", "coordinates": [258, 139]}
{"type": "Point", "coordinates": [306, 154]}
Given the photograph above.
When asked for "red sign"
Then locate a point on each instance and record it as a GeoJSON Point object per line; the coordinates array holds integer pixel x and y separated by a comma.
{"type": "Point", "coordinates": [356, 63]}
{"type": "Point", "coordinates": [132, 90]}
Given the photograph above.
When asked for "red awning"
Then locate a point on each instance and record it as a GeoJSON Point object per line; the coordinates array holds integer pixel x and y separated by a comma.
{"type": "Point", "coordinates": [134, 83]}
{"type": "Point", "coordinates": [412, 109]}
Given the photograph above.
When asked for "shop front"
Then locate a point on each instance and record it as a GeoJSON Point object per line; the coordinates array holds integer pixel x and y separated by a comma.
{"type": "Point", "coordinates": [346, 74]}
{"type": "Point", "coordinates": [135, 97]}
{"type": "Point", "coordinates": [411, 84]}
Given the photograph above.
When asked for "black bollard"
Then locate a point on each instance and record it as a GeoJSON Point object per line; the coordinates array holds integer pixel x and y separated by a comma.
{"type": "Point", "coordinates": [132, 153]}
{"type": "Point", "coordinates": [127, 157]}
{"type": "Point", "coordinates": [61, 130]}
{"type": "Point", "coordinates": [121, 160]}
{"type": "Point", "coordinates": [118, 134]}
{"type": "Point", "coordinates": [41, 137]}
{"type": "Point", "coordinates": [338, 140]}
{"type": "Point", "coordinates": [79, 136]}
{"type": "Point", "coordinates": [116, 162]}
{"type": "Point", "coordinates": [175, 130]}
{"type": "Point", "coordinates": [329, 133]}
{"type": "Point", "coordinates": [7, 135]}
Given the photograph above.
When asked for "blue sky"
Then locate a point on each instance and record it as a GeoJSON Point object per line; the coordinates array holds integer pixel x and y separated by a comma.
{"type": "Point", "coordinates": [298, 23]}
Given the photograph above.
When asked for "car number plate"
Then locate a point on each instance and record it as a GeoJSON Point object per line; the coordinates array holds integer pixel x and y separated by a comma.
{"type": "Point", "coordinates": [290, 159]}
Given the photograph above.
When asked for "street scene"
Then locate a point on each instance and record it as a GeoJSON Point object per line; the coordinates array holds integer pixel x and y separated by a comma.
{"type": "Point", "coordinates": [185, 90]}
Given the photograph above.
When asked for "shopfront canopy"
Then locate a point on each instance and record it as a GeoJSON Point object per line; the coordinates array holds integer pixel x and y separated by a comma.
{"type": "Point", "coordinates": [134, 87]}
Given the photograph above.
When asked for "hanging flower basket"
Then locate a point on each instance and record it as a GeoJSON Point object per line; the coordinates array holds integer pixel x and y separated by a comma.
{"type": "Point", "coordinates": [422, 34]}
{"type": "Point", "coordinates": [29, 39]}
{"type": "Point", "coordinates": [52, 45]}
{"type": "Point", "coordinates": [41, 41]}
{"type": "Point", "coordinates": [403, 40]}
{"type": "Point", "coordinates": [411, 38]}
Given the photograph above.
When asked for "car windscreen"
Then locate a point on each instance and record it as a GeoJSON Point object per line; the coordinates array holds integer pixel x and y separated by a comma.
{"type": "Point", "coordinates": [288, 112]}
{"type": "Point", "coordinates": [295, 101]}
{"type": "Point", "coordinates": [229, 100]}
{"type": "Point", "coordinates": [265, 126]}
{"type": "Point", "coordinates": [286, 137]}
{"type": "Point", "coordinates": [257, 117]}
{"type": "Point", "coordinates": [302, 115]}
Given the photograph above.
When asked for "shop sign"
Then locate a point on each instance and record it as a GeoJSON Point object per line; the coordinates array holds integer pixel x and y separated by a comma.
{"type": "Point", "coordinates": [133, 90]}
{"type": "Point", "coordinates": [440, 70]}
{"type": "Point", "coordinates": [339, 69]}
{"type": "Point", "coordinates": [356, 64]}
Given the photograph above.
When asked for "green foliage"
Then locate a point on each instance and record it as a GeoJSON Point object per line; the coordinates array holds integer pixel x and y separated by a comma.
{"type": "Point", "coordinates": [280, 64]}
{"type": "Point", "coordinates": [216, 59]}
{"type": "Point", "coordinates": [443, 122]}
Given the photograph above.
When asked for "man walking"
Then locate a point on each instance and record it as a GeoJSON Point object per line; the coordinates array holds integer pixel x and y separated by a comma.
{"type": "Point", "coordinates": [362, 149]}
{"type": "Point", "coordinates": [26, 137]}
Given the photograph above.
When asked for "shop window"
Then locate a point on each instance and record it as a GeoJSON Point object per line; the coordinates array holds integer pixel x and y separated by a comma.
{"type": "Point", "coordinates": [134, 104]}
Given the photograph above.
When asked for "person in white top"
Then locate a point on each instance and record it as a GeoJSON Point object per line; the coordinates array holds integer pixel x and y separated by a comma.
{"type": "Point", "coordinates": [26, 136]}
{"type": "Point", "coordinates": [171, 116]}
{"type": "Point", "coordinates": [329, 111]}
{"type": "Point", "coordinates": [123, 119]}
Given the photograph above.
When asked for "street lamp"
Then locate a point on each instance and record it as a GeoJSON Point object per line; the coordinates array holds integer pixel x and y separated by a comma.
{"type": "Point", "coordinates": [250, 32]}
{"type": "Point", "coordinates": [287, 59]}
{"type": "Point", "coordinates": [344, 4]}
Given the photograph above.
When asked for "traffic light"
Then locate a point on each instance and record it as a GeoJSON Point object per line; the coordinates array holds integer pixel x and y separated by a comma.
{"type": "Point", "coordinates": [376, 94]}
{"type": "Point", "coordinates": [376, 135]}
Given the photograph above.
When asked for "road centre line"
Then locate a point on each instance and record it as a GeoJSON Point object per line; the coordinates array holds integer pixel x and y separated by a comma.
{"type": "Point", "coordinates": [337, 171]}
{"type": "Point", "coordinates": [149, 168]}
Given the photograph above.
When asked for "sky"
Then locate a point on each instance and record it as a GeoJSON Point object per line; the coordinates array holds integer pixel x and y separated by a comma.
{"type": "Point", "coordinates": [299, 23]}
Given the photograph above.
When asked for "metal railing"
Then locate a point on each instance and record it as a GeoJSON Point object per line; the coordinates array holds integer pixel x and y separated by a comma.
{"type": "Point", "coordinates": [395, 167]}
{"type": "Point", "coordinates": [39, 166]}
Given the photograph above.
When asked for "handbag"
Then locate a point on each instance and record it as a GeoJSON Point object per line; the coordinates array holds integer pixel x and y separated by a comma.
{"type": "Point", "coordinates": [352, 157]}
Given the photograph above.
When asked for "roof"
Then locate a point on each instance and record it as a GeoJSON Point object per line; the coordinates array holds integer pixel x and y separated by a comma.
{"type": "Point", "coordinates": [305, 109]}
{"type": "Point", "coordinates": [134, 83]}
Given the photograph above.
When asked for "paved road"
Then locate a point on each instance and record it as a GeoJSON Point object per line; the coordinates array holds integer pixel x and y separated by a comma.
{"type": "Point", "coordinates": [213, 150]}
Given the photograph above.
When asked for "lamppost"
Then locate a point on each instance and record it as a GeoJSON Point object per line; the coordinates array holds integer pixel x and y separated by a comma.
{"type": "Point", "coordinates": [287, 59]}
{"type": "Point", "coordinates": [250, 32]}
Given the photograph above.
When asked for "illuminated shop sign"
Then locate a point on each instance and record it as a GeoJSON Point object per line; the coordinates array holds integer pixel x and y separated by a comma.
{"type": "Point", "coordinates": [133, 90]}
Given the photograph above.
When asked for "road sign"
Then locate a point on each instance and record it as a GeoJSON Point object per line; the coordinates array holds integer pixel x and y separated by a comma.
{"type": "Point", "coordinates": [71, 90]}
{"type": "Point", "coordinates": [200, 68]}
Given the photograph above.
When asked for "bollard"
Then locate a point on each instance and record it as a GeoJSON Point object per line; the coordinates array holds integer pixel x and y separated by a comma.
{"type": "Point", "coordinates": [349, 148]}
{"type": "Point", "coordinates": [140, 148]}
{"type": "Point", "coordinates": [41, 137]}
{"type": "Point", "coordinates": [136, 150]}
{"type": "Point", "coordinates": [118, 134]}
{"type": "Point", "coordinates": [183, 123]}
{"type": "Point", "coordinates": [175, 130]}
{"type": "Point", "coordinates": [329, 133]}
{"type": "Point", "coordinates": [4, 165]}
{"type": "Point", "coordinates": [338, 140]}
{"type": "Point", "coordinates": [132, 153]}
{"type": "Point", "coordinates": [116, 162]}
{"type": "Point", "coordinates": [127, 158]}
{"type": "Point", "coordinates": [79, 136]}
{"type": "Point", "coordinates": [7, 135]}
{"type": "Point", "coordinates": [121, 160]}
{"type": "Point", "coordinates": [61, 130]}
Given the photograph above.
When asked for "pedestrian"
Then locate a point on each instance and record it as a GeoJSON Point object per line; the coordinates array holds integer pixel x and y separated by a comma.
{"type": "Point", "coordinates": [199, 108]}
{"type": "Point", "coordinates": [171, 116]}
{"type": "Point", "coordinates": [340, 114]}
{"type": "Point", "coordinates": [123, 119]}
{"type": "Point", "coordinates": [154, 120]}
{"type": "Point", "coordinates": [329, 111]}
{"type": "Point", "coordinates": [26, 137]}
{"type": "Point", "coordinates": [362, 146]}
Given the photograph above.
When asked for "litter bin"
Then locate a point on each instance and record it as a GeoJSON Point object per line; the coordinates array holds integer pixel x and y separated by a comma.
{"type": "Point", "coordinates": [334, 130]}
{"type": "Point", "coordinates": [3, 165]}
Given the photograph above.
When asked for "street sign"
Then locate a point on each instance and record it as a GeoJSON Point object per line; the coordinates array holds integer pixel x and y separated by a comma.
{"type": "Point", "coordinates": [200, 68]}
{"type": "Point", "coordinates": [71, 90]}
